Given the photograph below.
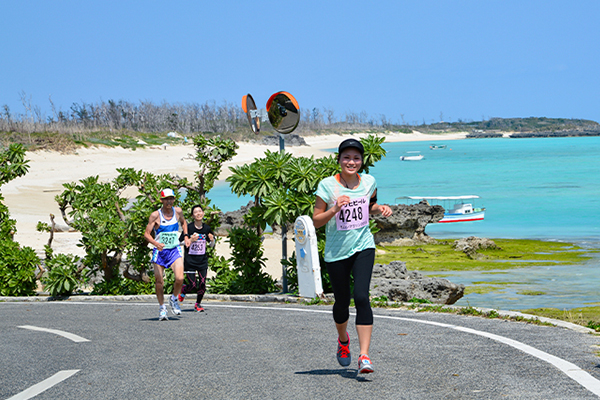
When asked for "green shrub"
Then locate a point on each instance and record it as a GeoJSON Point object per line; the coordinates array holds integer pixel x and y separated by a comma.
{"type": "Point", "coordinates": [18, 267]}
{"type": "Point", "coordinates": [419, 301]}
{"type": "Point", "coordinates": [291, 273]}
{"type": "Point", "coordinates": [247, 260]}
{"type": "Point", "coordinates": [594, 325]}
{"type": "Point", "coordinates": [381, 301]}
{"type": "Point", "coordinates": [121, 286]}
{"type": "Point", "coordinates": [221, 282]}
{"type": "Point", "coordinates": [63, 276]}
{"type": "Point", "coordinates": [247, 276]}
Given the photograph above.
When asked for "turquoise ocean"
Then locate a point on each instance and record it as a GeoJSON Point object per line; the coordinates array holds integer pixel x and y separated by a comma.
{"type": "Point", "coordinates": [542, 188]}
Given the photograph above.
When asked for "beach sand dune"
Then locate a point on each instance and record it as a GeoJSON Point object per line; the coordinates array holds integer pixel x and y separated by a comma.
{"type": "Point", "coordinates": [31, 198]}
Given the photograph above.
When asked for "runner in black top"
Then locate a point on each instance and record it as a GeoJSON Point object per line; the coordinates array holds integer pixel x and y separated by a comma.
{"type": "Point", "coordinates": [196, 257]}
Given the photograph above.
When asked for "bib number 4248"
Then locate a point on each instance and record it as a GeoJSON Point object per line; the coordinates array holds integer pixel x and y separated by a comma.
{"type": "Point", "coordinates": [350, 215]}
{"type": "Point", "coordinates": [353, 215]}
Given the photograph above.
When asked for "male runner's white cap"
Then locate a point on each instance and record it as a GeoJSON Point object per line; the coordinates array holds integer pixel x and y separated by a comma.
{"type": "Point", "coordinates": [167, 193]}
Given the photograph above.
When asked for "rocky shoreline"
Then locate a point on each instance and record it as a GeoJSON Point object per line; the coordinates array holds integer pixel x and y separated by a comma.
{"type": "Point", "coordinates": [405, 226]}
{"type": "Point", "coordinates": [398, 284]}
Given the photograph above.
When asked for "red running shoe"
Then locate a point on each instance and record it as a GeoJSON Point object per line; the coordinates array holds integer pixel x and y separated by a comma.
{"type": "Point", "coordinates": [364, 364]}
{"type": "Point", "coordinates": [199, 308]}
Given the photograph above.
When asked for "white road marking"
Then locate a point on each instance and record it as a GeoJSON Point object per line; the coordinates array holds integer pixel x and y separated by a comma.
{"type": "Point", "coordinates": [571, 370]}
{"type": "Point", "coordinates": [67, 335]}
{"type": "Point", "coordinates": [44, 385]}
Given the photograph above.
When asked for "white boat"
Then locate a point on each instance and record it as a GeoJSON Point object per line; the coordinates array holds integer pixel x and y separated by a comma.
{"type": "Point", "coordinates": [456, 208]}
{"type": "Point", "coordinates": [416, 157]}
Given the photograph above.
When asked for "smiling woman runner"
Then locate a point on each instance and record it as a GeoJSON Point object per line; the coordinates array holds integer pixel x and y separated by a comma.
{"type": "Point", "coordinates": [344, 202]}
{"type": "Point", "coordinates": [196, 257]}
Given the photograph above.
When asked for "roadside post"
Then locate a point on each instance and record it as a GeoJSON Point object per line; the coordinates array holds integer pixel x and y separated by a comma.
{"type": "Point", "coordinates": [307, 257]}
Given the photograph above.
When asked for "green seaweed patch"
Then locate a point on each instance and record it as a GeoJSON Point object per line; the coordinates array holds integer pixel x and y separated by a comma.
{"type": "Point", "coordinates": [531, 292]}
{"type": "Point", "coordinates": [511, 253]}
{"type": "Point", "coordinates": [483, 289]}
{"type": "Point", "coordinates": [496, 283]}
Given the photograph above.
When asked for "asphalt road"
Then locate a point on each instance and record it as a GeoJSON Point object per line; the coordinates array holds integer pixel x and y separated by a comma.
{"type": "Point", "coordinates": [283, 351]}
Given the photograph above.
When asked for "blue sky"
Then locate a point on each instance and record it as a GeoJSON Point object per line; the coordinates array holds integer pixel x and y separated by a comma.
{"type": "Point", "coordinates": [411, 61]}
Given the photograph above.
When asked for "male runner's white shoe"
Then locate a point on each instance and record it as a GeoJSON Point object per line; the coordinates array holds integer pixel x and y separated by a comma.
{"type": "Point", "coordinates": [162, 314]}
{"type": "Point", "coordinates": [174, 305]}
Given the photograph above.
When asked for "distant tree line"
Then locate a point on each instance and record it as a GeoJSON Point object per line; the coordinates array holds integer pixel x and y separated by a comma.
{"type": "Point", "coordinates": [224, 118]}
{"type": "Point", "coordinates": [184, 118]}
{"type": "Point", "coordinates": [144, 116]}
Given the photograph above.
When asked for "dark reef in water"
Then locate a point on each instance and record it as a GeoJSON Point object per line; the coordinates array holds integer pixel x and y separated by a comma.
{"type": "Point", "coordinates": [543, 134]}
{"type": "Point", "coordinates": [571, 133]}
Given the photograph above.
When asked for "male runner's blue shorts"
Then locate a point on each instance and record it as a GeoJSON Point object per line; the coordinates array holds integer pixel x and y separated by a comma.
{"type": "Point", "coordinates": [166, 257]}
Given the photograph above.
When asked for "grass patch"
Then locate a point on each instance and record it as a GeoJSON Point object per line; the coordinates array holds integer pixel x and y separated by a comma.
{"type": "Point", "coordinates": [130, 141]}
{"type": "Point", "coordinates": [472, 311]}
{"type": "Point", "coordinates": [586, 316]}
{"type": "Point", "coordinates": [512, 253]}
{"type": "Point", "coordinates": [68, 142]}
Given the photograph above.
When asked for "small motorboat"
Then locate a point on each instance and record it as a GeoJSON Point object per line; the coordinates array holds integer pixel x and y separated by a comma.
{"type": "Point", "coordinates": [456, 209]}
{"type": "Point", "coordinates": [412, 156]}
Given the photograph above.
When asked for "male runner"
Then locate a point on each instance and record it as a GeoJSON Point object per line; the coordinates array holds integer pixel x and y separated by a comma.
{"type": "Point", "coordinates": [167, 252]}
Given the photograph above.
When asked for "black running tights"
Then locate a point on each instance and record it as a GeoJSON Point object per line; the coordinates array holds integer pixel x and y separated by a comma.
{"type": "Point", "coordinates": [360, 265]}
{"type": "Point", "coordinates": [195, 284]}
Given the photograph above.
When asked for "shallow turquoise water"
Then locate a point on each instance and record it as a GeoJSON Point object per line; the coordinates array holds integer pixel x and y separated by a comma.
{"type": "Point", "coordinates": [531, 188]}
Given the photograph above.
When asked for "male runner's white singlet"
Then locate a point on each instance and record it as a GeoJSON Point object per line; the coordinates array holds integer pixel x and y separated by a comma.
{"type": "Point", "coordinates": [168, 230]}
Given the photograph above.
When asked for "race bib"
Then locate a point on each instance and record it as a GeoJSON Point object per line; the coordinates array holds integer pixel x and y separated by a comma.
{"type": "Point", "coordinates": [353, 215]}
{"type": "Point", "coordinates": [198, 247]}
{"type": "Point", "coordinates": [169, 239]}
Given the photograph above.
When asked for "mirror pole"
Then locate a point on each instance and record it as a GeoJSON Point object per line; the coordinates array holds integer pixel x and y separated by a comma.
{"type": "Point", "coordinates": [283, 232]}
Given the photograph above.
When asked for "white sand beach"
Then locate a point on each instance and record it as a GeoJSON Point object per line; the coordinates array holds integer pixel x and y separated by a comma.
{"type": "Point", "coordinates": [31, 198]}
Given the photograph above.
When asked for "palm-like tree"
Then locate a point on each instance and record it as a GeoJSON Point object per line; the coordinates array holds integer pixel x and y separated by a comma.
{"type": "Point", "coordinates": [239, 178]}
{"type": "Point", "coordinates": [373, 151]}
{"type": "Point", "coordinates": [303, 176]}
{"type": "Point", "coordinates": [276, 163]}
